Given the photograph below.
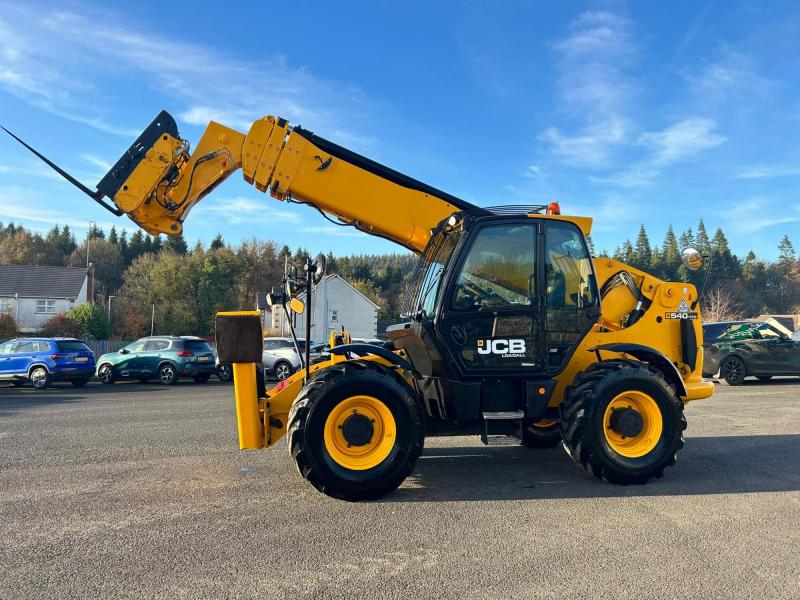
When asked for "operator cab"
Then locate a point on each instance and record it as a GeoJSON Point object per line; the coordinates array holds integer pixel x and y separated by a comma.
{"type": "Point", "coordinates": [497, 297]}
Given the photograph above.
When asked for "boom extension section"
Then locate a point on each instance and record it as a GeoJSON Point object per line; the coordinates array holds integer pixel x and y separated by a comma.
{"type": "Point", "coordinates": [158, 181]}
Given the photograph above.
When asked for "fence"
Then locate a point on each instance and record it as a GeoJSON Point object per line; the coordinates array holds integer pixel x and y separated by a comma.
{"type": "Point", "coordinates": [99, 347]}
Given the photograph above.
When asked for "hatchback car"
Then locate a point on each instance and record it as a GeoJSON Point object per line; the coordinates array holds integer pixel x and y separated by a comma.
{"type": "Point", "coordinates": [740, 349]}
{"type": "Point", "coordinates": [41, 361]}
{"type": "Point", "coordinates": [167, 358]}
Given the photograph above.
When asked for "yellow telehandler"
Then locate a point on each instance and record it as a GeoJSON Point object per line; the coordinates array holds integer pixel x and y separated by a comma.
{"type": "Point", "coordinates": [513, 331]}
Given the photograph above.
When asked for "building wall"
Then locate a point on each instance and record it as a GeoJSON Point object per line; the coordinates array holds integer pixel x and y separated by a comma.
{"type": "Point", "coordinates": [24, 309]}
{"type": "Point", "coordinates": [336, 304]}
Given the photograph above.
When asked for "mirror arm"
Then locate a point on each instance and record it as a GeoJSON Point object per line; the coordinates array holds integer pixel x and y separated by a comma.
{"type": "Point", "coordinates": [703, 285]}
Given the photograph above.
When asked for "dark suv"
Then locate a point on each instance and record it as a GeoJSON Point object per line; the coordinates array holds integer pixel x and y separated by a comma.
{"type": "Point", "coordinates": [166, 357]}
{"type": "Point", "coordinates": [738, 349]}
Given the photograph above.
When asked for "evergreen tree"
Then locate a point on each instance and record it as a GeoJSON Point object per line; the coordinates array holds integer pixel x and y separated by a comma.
{"type": "Point", "coordinates": [643, 252]}
{"type": "Point", "coordinates": [701, 239]}
{"type": "Point", "coordinates": [217, 243]}
{"type": "Point", "coordinates": [786, 254]}
{"type": "Point", "coordinates": [176, 244]}
{"type": "Point", "coordinates": [136, 247]}
{"type": "Point", "coordinates": [112, 236]}
{"type": "Point", "coordinates": [687, 239]}
{"type": "Point", "coordinates": [670, 255]}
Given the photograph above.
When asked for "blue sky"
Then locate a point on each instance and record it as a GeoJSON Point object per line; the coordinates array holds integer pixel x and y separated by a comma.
{"type": "Point", "coordinates": [648, 112]}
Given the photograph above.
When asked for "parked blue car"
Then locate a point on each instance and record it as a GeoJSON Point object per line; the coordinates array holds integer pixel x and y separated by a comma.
{"type": "Point", "coordinates": [41, 361]}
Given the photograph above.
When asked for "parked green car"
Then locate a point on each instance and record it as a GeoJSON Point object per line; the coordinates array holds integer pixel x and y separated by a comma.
{"type": "Point", "coordinates": [167, 358]}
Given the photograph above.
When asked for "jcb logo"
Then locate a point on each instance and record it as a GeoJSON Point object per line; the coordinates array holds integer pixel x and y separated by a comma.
{"type": "Point", "coordinates": [501, 346]}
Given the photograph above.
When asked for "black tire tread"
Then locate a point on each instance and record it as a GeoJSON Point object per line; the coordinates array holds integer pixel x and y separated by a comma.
{"type": "Point", "coordinates": [297, 422]}
{"type": "Point", "coordinates": [577, 399]}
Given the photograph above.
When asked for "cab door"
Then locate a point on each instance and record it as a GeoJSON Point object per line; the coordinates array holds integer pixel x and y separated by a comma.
{"type": "Point", "coordinates": [491, 317]}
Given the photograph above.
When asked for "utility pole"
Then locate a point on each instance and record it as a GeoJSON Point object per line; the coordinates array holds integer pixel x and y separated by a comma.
{"type": "Point", "coordinates": [152, 319]}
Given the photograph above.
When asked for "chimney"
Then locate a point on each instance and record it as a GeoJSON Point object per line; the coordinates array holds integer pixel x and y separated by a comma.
{"type": "Point", "coordinates": [90, 284]}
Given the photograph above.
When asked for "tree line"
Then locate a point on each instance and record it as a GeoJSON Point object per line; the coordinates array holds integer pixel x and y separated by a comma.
{"type": "Point", "coordinates": [182, 288]}
{"type": "Point", "coordinates": [187, 286]}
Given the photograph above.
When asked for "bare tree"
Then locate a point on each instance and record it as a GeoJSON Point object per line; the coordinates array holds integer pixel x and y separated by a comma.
{"type": "Point", "coordinates": [719, 306]}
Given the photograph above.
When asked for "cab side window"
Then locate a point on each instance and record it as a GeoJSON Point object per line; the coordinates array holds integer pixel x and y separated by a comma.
{"type": "Point", "coordinates": [8, 348]}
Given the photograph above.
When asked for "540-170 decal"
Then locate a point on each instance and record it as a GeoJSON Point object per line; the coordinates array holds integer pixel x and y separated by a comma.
{"type": "Point", "coordinates": [683, 312]}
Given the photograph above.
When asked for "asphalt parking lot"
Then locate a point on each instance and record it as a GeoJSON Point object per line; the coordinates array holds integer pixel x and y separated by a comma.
{"type": "Point", "coordinates": [139, 491]}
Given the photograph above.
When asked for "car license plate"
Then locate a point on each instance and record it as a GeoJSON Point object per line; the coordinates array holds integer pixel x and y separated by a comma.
{"type": "Point", "coordinates": [202, 358]}
{"type": "Point", "coordinates": [81, 359]}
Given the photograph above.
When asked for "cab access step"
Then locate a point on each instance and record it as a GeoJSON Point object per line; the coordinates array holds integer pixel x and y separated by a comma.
{"type": "Point", "coordinates": [502, 428]}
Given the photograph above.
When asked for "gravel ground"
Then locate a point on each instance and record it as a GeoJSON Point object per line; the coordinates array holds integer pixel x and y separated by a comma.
{"type": "Point", "coordinates": [139, 491]}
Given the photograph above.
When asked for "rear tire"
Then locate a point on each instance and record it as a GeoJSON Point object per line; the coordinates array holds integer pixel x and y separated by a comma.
{"type": "Point", "coordinates": [225, 373]}
{"type": "Point", "coordinates": [542, 434]}
{"type": "Point", "coordinates": [80, 382]}
{"type": "Point", "coordinates": [40, 378]}
{"type": "Point", "coordinates": [318, 450]}
{"type": "Point", "coordinates": [733, 370]}
{"type": "Point", "coordinates": [167, 374]}
{"type": "Point", "coordinates": [587, 418]}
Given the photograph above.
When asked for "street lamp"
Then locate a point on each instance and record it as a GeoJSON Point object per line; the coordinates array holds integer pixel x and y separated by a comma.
{"type": "Point", "coordinates": [110, 327]}
{"type": "Point", "coordinates": [92, 225]}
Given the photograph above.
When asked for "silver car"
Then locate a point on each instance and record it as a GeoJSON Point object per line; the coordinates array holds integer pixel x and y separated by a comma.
{"type": "Point", "coordinates": [279, 357]}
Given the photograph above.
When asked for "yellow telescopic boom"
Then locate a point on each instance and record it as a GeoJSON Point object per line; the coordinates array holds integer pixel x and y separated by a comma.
{"type": "Point", "coordinates": [158, 181]}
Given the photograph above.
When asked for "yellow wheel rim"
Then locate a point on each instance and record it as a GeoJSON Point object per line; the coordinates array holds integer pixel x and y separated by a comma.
{"type": "Point", "coordinates": [360, 432]}
{"type": "Point", "coordinates": [544, 423]}
{"type": "Point", "coordinates": [651, 424]}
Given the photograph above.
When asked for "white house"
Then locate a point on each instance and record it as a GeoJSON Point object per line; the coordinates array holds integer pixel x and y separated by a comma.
{"type": "Point", "coordinates": [32, 294]}
{"type": "Point", "coordinates": [335, 304]}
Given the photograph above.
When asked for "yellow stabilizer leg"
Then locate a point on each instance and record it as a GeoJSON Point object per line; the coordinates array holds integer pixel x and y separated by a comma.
{"type": "Point", "coordinates": [251, 434]}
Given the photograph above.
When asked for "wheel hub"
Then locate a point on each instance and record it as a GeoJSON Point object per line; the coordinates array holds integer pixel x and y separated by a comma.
{"type": "Point", "coordinates": [357, 429]}
{"type": "Point", "coordinates": [626, 422]}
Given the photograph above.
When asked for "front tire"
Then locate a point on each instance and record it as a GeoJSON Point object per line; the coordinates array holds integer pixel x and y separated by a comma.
{"type": "Point", "coordinates": [80, 382]}
{"type": "Point", "coordinates": [283, 370]}
{"type": "Point", "coordinates": [40, 378]}
{"type": "Point", "coordinates": [167, 374]}
{"type": "Point", "coordinates": [622, 421]}
{"type": "Point", "coordinates": [355, 431]}
{"type": "Point", "coordinates": [733, 370]}
{"type": "Point", "coordinates": [106, 374]}
{"type": "Point", "coordinates": [544, 433]}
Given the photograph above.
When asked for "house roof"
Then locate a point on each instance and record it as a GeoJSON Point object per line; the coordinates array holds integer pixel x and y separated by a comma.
{"type": "Point", "coordinates": [41, 282]}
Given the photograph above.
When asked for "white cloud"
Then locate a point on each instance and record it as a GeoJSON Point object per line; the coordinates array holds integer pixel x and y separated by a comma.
{"type": "Point", "coordinates": [19, 204]}
{"type": "Point", "coordinates": [733, 75]}
{"type": "Point", "coordinates": [241, 210]}
{"type": "Point", "coordinates": [96, 161]}
{"type": "Point", "coordinates": [592, 147]}
{"type": "Point", "coordinates": [666, 147]}
{"type": "Point", "coordinates": [594, 88]}
{"type": "Point", "coordinates": [333, 230]}
{"type": "Point", "coordinates": [91, 53]}
{"type": "Point", "coordinates": [757, 213]}
{"type": "Point", "coordinates": [769, 171]}
{"type": "Point", "coordinates": [612, 213]}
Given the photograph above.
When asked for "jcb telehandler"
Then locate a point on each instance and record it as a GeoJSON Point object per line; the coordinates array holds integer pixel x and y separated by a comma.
{"type": "Point", "coordinates": [513, 331]}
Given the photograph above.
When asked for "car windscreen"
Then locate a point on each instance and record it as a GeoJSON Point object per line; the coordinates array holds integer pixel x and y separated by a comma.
{"type": "Point", "coordinates": [197, 345]}
{"type": "Point", "coordinates": [72, 346]}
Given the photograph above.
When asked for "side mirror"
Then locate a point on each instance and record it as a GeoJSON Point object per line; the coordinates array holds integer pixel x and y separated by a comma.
{"type": "Point", "coordinates": [297, 306]}
{"type": "Point", "coordinates": [692, 259]}
{"type": "Point", "coordinates": [124, 351]}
